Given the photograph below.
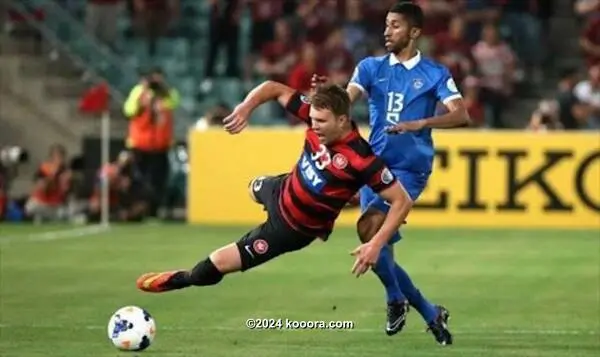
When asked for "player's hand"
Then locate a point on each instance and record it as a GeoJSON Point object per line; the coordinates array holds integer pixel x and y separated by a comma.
{"type": "Point", "coordinates": [316, 81]}
{"type": "Point", "coordinates": [407, 126]}
{"type": "Point", "coordinates": [237, 121]}
{"type": "Point", "coordinates": [366, 256]}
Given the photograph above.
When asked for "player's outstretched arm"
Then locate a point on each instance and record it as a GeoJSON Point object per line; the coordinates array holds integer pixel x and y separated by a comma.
{"type": "Point", "coordinates": [266, 91]}
{"type": "Point", "coordinates": [400, 204]}
{"type": "Point", "coordinates": [457, 117]}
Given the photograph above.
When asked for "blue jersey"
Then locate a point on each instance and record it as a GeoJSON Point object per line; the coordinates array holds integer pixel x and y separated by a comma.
{"type": "Point", "coordinates": [403, 91]}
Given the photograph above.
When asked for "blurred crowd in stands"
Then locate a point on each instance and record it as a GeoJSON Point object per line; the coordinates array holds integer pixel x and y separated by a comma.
{"type": "Point", "coordinates": [497, 50]}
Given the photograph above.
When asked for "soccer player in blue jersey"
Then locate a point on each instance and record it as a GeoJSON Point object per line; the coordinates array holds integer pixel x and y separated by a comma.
{"type": "Point", "coordinates": [403, 89]}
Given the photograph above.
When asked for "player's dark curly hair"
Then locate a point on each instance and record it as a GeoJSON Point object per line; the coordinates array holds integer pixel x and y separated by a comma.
{"type": "Point", "coordinates": [332, 97]}
{"type": "Point", "coordinates": [412, 12]}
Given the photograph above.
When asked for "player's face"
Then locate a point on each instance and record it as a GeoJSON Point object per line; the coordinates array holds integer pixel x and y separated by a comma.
{"type": "Point", "coordinates": [326, 125]}
{"type": "Point", "coordinates": [397, 34]}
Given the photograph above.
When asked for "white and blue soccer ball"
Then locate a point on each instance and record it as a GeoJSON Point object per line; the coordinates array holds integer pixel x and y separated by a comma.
{"type": "Point", "coordinates": [131, 328]}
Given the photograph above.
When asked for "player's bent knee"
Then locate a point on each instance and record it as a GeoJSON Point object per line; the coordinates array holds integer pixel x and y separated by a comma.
{"type": "Point", "coordinates": [227, 259]}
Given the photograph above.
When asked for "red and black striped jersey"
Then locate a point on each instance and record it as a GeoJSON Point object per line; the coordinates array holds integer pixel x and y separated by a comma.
{"type": "Point", "coordinates": [327, 177]}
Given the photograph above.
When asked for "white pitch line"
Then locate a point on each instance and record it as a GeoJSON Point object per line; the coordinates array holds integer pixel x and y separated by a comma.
{"type": "Point", "coordinates": [60, 234]}
{"type": "Point", "coordinates": [355, 330]}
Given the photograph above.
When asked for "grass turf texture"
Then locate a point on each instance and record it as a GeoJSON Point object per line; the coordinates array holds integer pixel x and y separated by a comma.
{"type": "Point", "coordinates": [511, 293]}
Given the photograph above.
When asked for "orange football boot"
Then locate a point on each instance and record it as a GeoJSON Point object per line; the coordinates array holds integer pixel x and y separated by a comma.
{"type": "Point", "coordinates": [155, 282]}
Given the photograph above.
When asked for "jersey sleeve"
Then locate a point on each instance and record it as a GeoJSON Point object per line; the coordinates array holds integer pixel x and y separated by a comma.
{"type": "Point", "coordinates": [362, 77]}
{"type": "Point", "coordinates": [376, 174]}
{"type": "Point", "coordinates": [299, 106]}
{"type": "Point", "coordinates": [446, 89]}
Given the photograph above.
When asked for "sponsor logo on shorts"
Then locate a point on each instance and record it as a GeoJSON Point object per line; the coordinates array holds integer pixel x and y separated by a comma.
{"type": "Point", "coordinates": [247, 248]}
{"type": "Point", "coordinates": [260, 246]}
{"type": "Point", "coordinates": [339, 161]}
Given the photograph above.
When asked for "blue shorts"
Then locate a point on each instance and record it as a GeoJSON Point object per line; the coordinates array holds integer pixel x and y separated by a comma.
{"type": "Point", "coordinates": [414, 183]}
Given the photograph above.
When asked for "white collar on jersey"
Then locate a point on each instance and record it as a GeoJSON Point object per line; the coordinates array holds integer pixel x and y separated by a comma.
{"type": "Point", "coordinates": [409, 64]}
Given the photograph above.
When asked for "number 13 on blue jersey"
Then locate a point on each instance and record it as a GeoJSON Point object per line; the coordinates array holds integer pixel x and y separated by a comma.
{"type": "Point", "coordinates": [395, 104]}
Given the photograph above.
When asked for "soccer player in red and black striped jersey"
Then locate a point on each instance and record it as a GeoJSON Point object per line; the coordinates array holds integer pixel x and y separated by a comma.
{"type": "Point", "coordinates": [301, 205]}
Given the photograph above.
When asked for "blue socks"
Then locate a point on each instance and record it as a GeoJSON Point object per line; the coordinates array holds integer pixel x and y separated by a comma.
{"type": "Point", "coordinates": [386, 272]}
{"type": "Point", "coordinates": [424, 307]}
{"type": "Point", "coordinates": [399, 286]}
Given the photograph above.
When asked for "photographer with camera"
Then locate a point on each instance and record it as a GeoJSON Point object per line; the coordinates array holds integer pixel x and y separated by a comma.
{"type": "Point", "coordinates": [128, 196]}
{"type": "Point", "coordinates": [150, 109]}
{"type": "Point", "coordinates": [11, 157]}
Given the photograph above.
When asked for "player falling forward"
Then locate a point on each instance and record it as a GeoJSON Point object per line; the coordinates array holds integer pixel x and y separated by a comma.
{"type": "Point", "coordinates": [403, 89]}
{"type": "Point", "coordinates": [304, 204]}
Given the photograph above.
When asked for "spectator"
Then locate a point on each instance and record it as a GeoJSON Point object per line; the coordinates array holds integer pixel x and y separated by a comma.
{"type": "Point", "coordinates": [150, 108]}
{"type": "Point", "coordinates": [545, 117]}
{"type": "Point", "coordinates": [302, 72]}
{"type": "Point", "coordinates": [587, 8]}
{"type": "Point", "coordinates": [590, 41]}
{"type": "Point", "coordinates": [572, 113]}
{"type": "Point", "coordinates": [279, 55]}
{"type": "Point", "coordinates": [213, 117]}
{"type": "Point", "coordinates": [128, 193]}
{"type": "Point", "coordinates": [100, 19]}
{"type": "Point", "coordinates": [319, 19]}
{"type": "Point", "coordinates": [476, 14]}
{"type": "Point", "coordinates": [437, 17]}
{"type": "Point", "coordinates": [472, 102]}
{"type": "Point", "coordinates": [48, 199]}
{"type": "Point", "coordinates": [224, 29]}
{"type": "Point", "coordinates": [521, 18]}
{"type": "Point", "coordinates": [336, 60]}
{"type": "Point", "coordinates": [153, 18]}
{"type": "Point", "coordinates": [355, 31]}
{"type": "Point", "coordinates": [264, 14]}
{"type": "Point", "coordinates": [11, 157]}
{"type": "Point", "coordinates": [374, 15]}
{"type": "Point", "coordinates": [496, 65]}
{"type": "Point", "coordinates": [437, 14]}
{"type": "Point", "coordinates": [452, 49]}
{"type": "Point", "coordinates": [587, 92]}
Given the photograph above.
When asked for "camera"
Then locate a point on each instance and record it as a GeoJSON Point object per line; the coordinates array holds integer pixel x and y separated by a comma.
{"type": "Point", "coordinates": [13, 156]}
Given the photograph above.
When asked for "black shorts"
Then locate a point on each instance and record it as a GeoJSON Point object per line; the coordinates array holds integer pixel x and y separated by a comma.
{"type": "Point", "coordinates": [274, 237]}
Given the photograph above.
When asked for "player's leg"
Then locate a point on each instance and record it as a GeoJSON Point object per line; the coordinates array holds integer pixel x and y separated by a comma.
{"type": "Point", "coordinates": [435, 316]}
{"type": "Point", "coordinates": [367, 226]}
{"type": "Point", "coordinates": [264, 243]}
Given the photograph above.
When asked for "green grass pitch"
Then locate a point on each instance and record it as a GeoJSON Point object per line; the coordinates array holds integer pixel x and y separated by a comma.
{"type": "Point", "coordinates": [511, 293]}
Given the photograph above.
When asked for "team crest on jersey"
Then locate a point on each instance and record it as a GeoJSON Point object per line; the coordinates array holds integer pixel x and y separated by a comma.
{"type": "Point", "coordinates": [386, 176]}
{"type": "Point", "coordinates": [339, 161]}
{"type": "Point", "coordinates": [260, 246]}
{"type": "Point", "coordinates": [418, 83]}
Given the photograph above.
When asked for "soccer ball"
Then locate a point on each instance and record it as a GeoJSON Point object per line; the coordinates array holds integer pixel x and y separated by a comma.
{"type": "Point", "coordinates": [131, 328]}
